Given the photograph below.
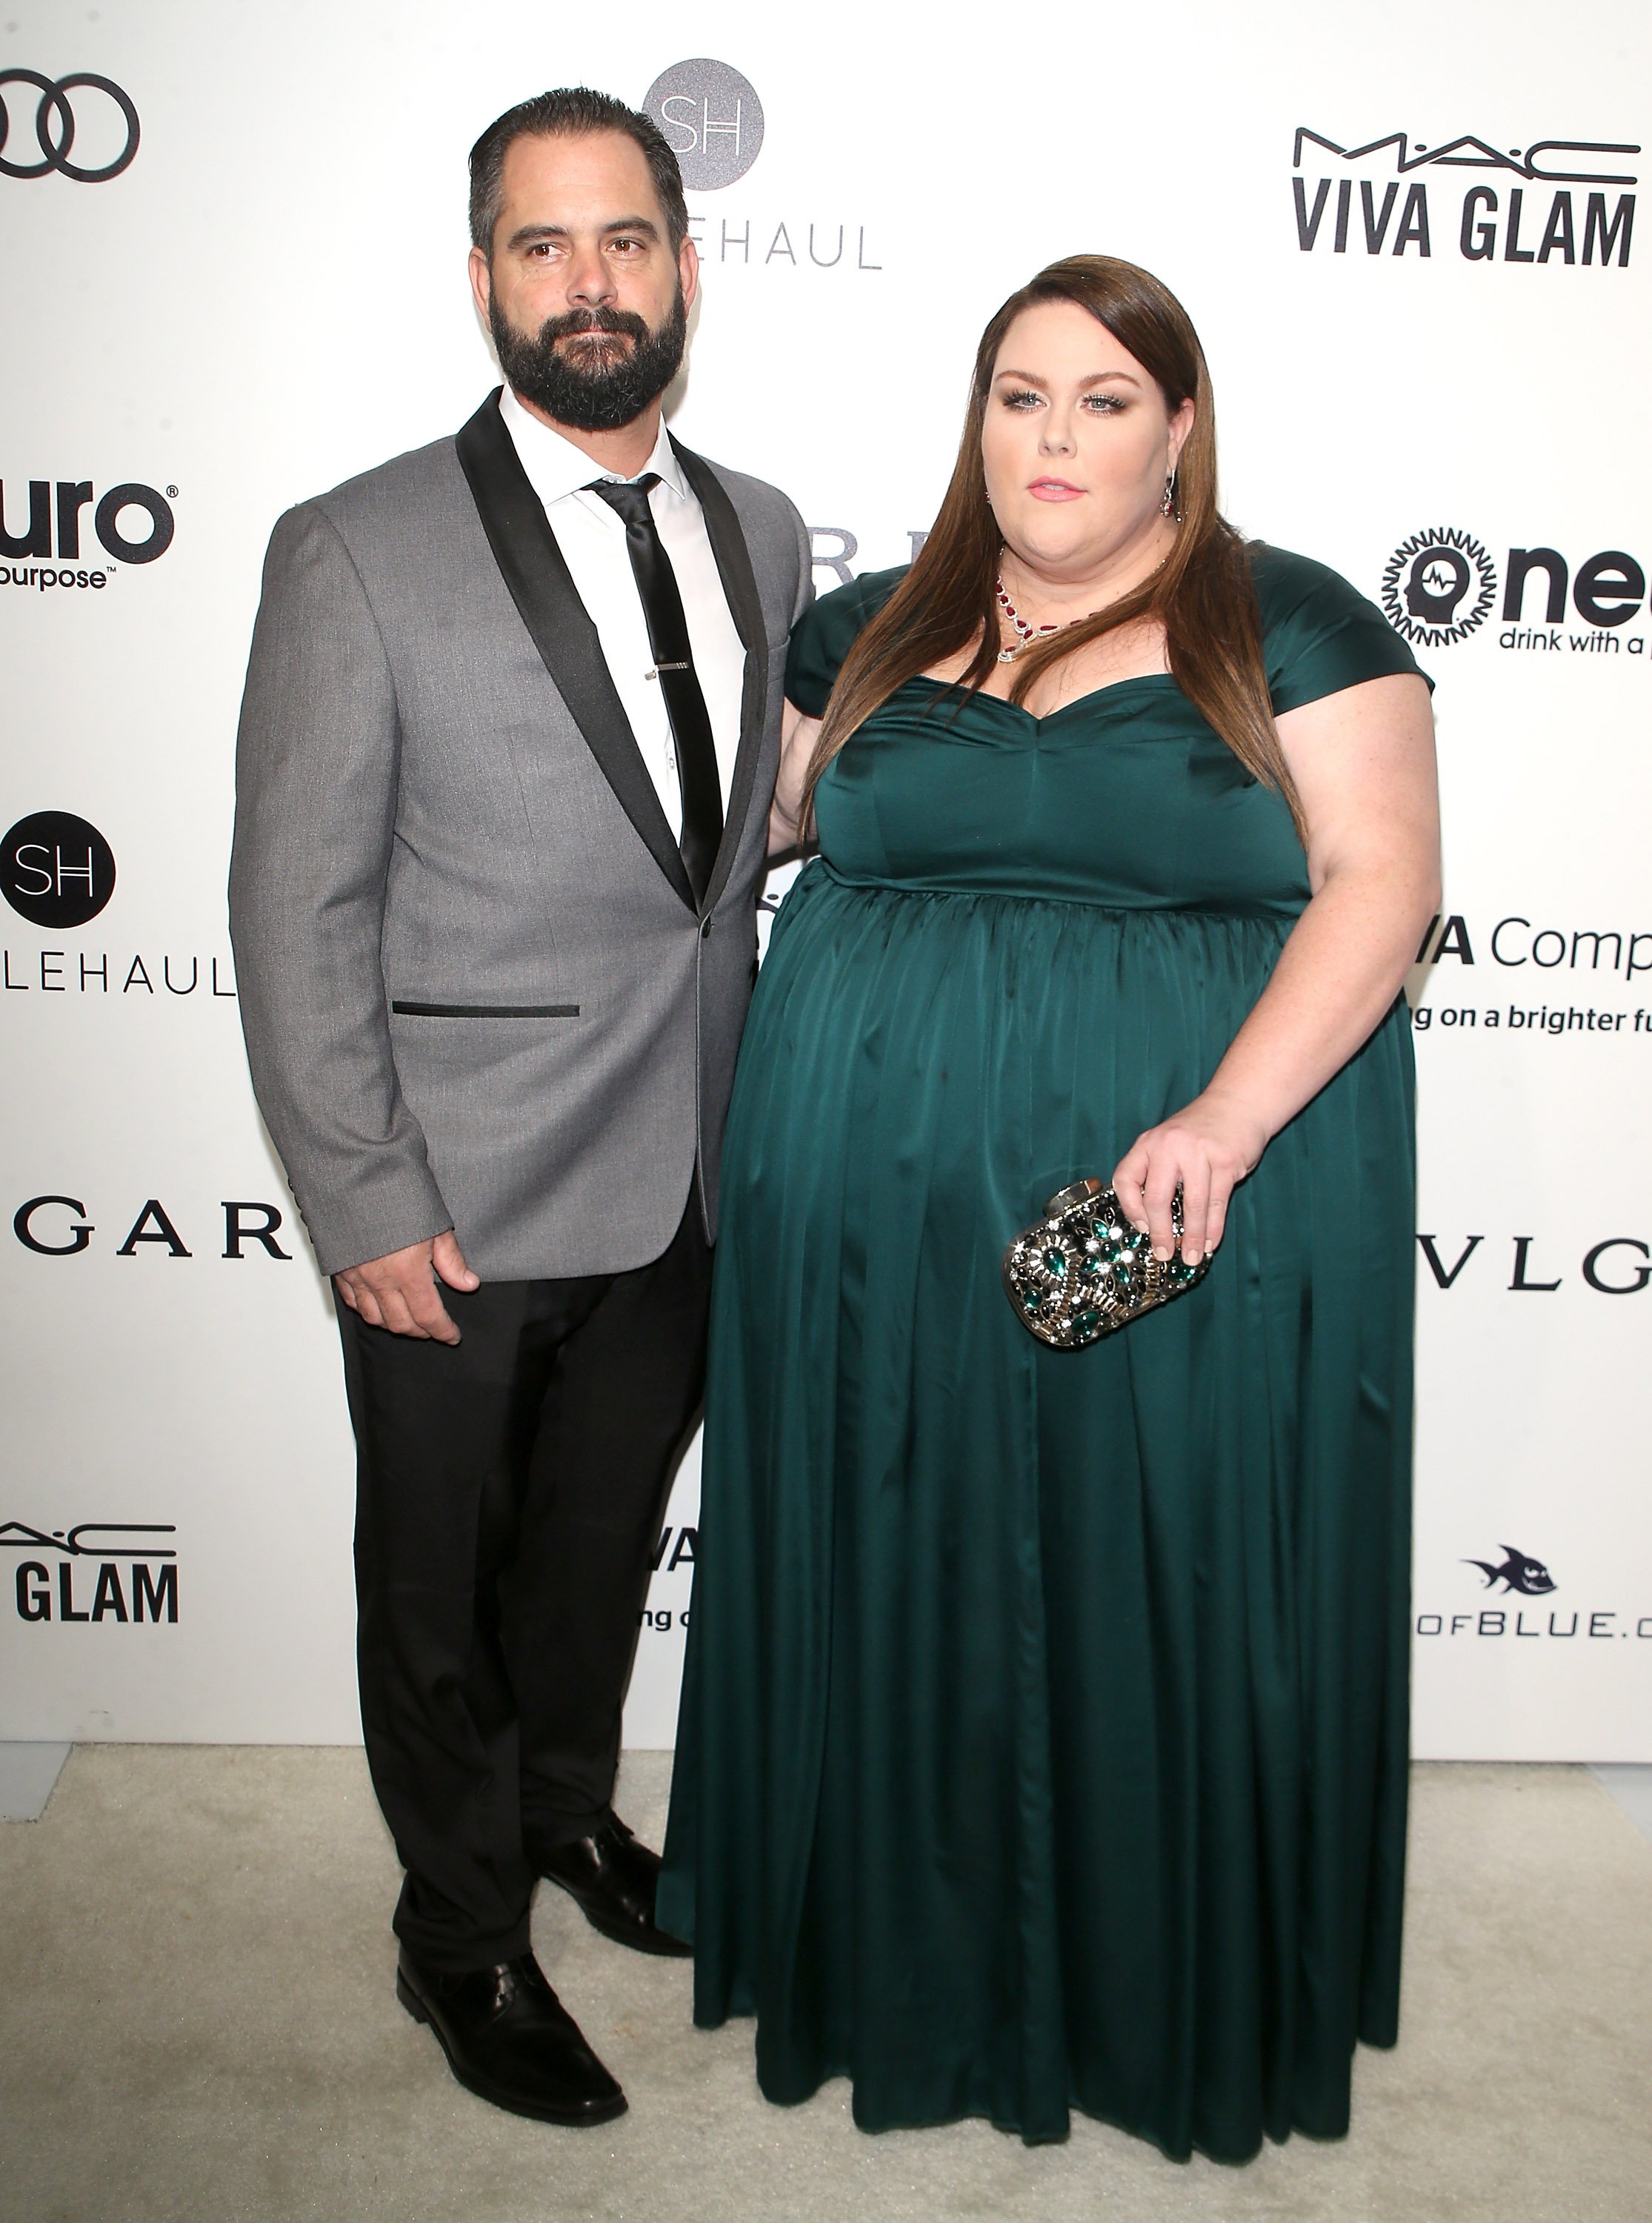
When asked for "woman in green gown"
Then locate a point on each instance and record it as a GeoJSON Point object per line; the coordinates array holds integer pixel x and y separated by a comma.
{"type": "Point", "coordinates": [1042, 1742]}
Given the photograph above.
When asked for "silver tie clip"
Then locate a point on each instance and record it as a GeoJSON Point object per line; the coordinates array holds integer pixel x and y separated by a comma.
{"type": "Point", "coordinates": [655, 670]}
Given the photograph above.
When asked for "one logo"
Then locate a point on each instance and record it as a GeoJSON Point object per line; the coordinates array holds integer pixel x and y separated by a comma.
{"type": "Point", "coordinates": [1529, 1577]}
{"type": "Point", "coordinates": [1438, 586]}
{"type": "Point", "coordinates": [56, 870]}
{"type": "Point", "coordinates": [57, 125]}
{"type": "Point", "coordinates": [711, 120]}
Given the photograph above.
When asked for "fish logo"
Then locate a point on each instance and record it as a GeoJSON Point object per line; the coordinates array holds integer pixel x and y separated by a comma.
{"type": "Point", "coordinates": [1529, 1577]}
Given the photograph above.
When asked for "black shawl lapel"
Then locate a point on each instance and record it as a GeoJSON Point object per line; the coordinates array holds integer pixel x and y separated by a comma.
{"type": "Point", "coordinates": [534, 569]}
{"type": "Point", "coordinates": [727, 539]}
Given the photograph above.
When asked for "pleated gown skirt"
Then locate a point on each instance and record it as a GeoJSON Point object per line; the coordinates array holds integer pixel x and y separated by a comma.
{"type": "Point", "coordinates": [1044, 1735]}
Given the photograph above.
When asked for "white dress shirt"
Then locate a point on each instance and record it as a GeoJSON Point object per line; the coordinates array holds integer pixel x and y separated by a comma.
{"type": "Point", "coordinates": [592, 538]}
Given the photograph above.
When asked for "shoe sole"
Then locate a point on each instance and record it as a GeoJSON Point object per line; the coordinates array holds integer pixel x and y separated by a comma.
{"type": "Point", "coordinates": [562, 2117]}
{"type": "Point", "coordinates": [672, 1949]}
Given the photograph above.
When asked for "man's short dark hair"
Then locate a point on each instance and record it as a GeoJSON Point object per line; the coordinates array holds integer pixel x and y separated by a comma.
{"type": "Point", "coordinates": [570, 112]}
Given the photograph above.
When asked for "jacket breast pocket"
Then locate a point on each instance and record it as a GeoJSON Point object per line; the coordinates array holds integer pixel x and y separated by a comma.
{"type": "Point", "coordinates": [412, 1011]}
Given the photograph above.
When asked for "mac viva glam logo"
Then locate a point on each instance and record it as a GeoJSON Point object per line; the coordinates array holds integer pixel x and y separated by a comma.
{"type": "Point", "coordinates": [1555, 203]}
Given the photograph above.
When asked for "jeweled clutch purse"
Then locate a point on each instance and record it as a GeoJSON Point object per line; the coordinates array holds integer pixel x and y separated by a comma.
{"type": "Point", "coordinates": [1083, 1270]}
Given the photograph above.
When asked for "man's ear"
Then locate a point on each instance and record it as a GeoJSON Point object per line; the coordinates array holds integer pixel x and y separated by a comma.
{"type": "Point", "coordinates": [481, 282]}
{"type": "Point", "coordinates": [688, 271]}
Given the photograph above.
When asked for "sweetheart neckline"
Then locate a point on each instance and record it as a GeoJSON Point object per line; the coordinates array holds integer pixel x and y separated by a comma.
{"type": "Point", "coordinates": [1112, 687]}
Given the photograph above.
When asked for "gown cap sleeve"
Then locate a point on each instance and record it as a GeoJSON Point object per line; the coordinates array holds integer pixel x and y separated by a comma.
{"type": "Point", "coordinates": [827, 630]}
{"type": "Point", "coordinates": [1320, 634]}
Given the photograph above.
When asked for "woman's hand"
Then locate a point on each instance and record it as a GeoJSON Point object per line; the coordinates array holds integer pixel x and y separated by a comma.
{"type": "Point", "coordinates": [1363, 762]}
{"type": "Point", "coordinates": [1209, 1148]}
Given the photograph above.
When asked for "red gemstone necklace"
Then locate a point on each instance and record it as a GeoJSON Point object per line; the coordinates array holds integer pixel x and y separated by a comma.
{"type": "Point", "coordinates": [1025, 635]}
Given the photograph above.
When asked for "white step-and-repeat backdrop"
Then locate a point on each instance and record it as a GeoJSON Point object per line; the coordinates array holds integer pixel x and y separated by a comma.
{"type": "Point", "coordinates": [233, 244]}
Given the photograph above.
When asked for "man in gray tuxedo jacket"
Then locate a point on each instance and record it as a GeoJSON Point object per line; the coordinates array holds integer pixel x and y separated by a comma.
{"type": "Point", "coordinates": [506, 754]}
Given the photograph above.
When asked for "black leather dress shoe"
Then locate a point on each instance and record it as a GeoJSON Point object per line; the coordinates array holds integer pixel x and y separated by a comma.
{"type": "Point", "coordinates": [509, 2038]}
{"type": "Point", "coordinates": [612, 1878]}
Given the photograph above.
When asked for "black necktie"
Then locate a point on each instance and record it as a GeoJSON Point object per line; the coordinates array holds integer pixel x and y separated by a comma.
{"type": "Point", "coordinates": [685, 706]}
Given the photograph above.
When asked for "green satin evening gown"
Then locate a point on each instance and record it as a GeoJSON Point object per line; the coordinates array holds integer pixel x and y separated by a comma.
{"type": "Point", "coordinates": [1043, 1740]}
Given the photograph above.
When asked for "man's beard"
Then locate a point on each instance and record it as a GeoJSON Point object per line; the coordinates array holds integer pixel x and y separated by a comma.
{"type": "Point", "coordinates": [592, 387]}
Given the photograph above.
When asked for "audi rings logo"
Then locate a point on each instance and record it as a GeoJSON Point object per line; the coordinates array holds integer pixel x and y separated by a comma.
{"type": "Point", "coordinates": [1438, 586]}
{"type": "Point", "coordinates": [58, 122]}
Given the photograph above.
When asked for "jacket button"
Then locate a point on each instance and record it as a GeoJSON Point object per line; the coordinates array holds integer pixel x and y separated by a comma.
{"type": "Point", "coordinates": [705, 928]}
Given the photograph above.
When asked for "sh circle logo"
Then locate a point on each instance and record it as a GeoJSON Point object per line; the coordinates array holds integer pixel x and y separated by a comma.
{"type": "Point", "coordinates": [55, 125]}
{"type": "Point", "coordinates": [712, 119]}
{"type": "Point", "coordinates": [1438, 586]}
{"type": "Point", "coordinates": [56, 870]}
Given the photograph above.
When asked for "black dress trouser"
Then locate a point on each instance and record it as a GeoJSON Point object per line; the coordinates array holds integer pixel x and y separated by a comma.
{"type": "Point", "coordinates": [509, 1491]}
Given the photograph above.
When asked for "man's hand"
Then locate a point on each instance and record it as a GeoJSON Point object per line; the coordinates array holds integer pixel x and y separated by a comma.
{"type": "Point", "coordinates": [401, 1292]}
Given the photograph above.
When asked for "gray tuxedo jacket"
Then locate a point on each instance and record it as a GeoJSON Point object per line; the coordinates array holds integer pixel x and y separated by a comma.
{"type": "Point", "coordinates": [476, 990]}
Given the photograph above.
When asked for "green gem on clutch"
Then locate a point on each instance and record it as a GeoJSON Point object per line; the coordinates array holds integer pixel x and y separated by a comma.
{"type": "Point", "coordinates": [1085, 1271]}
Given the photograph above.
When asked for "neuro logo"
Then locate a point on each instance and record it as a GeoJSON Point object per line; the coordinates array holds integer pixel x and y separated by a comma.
{"type": "Point", "coordinates": [711, 120]}
{"type": "Point", "coordinates": [108, 121]}
{"type": "Point", "coordinates": [1517, 1573]}
{"type": "Point", "coordinates": [56, 869]}
{"type": "Point", "coordinates": [1438, 586]}
{"type": "Point", "coordinates": [109, 517]}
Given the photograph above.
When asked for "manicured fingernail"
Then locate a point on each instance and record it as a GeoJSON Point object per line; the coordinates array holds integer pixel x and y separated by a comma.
{"type": "Point", "coordinates": [1162, 1255]}
{"type": "Point", "coordinates": [1191, 1258]}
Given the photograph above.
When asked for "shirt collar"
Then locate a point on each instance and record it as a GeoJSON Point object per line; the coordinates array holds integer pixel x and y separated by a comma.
{"type": "Point", "coordinates": [556, 468]}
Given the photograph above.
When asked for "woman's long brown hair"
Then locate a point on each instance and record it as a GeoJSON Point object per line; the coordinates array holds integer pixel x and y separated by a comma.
{"type": "Point", "coordinates": [1202, 594]}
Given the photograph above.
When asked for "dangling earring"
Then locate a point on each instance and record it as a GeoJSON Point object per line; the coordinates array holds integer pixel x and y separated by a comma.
{"type": "Point", "coordinates": [1170, 501]}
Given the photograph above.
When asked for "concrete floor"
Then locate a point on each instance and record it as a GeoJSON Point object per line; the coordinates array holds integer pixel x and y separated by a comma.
{"type": "Point", "coordinates": [196, 2020]}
